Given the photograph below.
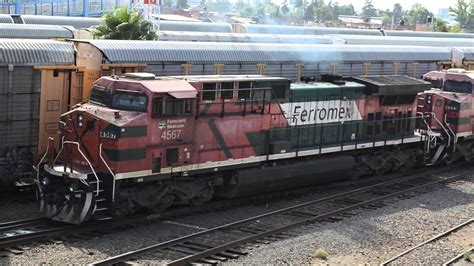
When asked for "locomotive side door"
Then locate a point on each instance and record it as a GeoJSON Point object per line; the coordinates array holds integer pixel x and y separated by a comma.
{"type": "Point", "coordinates": [173, 127]}
{"type": "Point", "coordinates": [438, 111]}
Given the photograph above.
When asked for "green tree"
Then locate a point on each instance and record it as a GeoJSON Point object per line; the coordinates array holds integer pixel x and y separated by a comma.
{"type": "Point", "coordinates": [284, 10]}
{"type": "Point", "coordinates": [464, 13]}
{"type": "Point", "coordinates": [247, 12]}
{"type": "Point", "coordinates": [368, 10]}
{"type": "Point", "coordinates": [219, 6]}
{"type": "Point", "coordinates": [324, 13]}
{"type": "Point", "coordinates": [347, 10]}
{"type": "Point", "coordinates": [124, 24]}
{"type": "Point", "coordinates": [417, 14]}
{"type": "Point", "coordinates": [397, 12]}
{"type": "Point", "coordinates": [386, 15]}
{"type": "Point", "coordinates": [440, 25]}
{"type": "Point", "coordinates": [455, 29]}
{"type": "Point", "coordinates": [182, 4]}
{"type": "Point", "coordinates": [298, 3]}
{"type": "Point", "coordinates": [309, 12]}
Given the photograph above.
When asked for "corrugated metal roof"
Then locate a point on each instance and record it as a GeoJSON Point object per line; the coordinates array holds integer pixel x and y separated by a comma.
{"type": "Point", "coordinates": [408, 33]}
{"type": "Point", "coordinates": [36, 52]}
{"type": "Point", "coordinates": [312, 39]}
{"type": "Point", "coordinates": [422, 41]}
{"type": "Point", "coordinates": [462, 54]}
{"type": "Point", "coordinates": [196, 52]}
{"type": "Point", "coordinates": [195, 26]}
{"type": "Point", "coordinates": [279, 29]}
{"type": "Point", "coordinates": [76, 22]}
{"type": "Point", "coordinates": [173, 17]}
{"type": "Point", "coordinates": [466, 52]}
{"type": "Point", "coordinates": [5, 18]}
{"type": "Point", "coordinates": [241, 37]}
{"type": "Point", "coordinates": [34, 31]}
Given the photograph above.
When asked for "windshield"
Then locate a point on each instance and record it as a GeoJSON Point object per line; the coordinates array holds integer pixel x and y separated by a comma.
{"type": "Point", "coordinates": [129, 101]}
{"type": "Point", "coordinates": [458, 86]}
{"type": "Point", "coordinates": [99, 95]}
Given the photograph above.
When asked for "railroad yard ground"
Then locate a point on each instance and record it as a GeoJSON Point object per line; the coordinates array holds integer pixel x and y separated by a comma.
{"type": "Point", "coordinates": [371, 236]}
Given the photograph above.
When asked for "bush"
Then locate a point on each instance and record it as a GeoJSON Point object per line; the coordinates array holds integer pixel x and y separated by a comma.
{"type": "Point", "coordinates": [321, 254]}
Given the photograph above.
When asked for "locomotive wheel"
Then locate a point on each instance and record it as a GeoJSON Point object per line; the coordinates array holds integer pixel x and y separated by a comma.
{"type": "Point", "coordinates": [379, 171]}
{"type": "Point", "coordinates": [167, 201]}
{"type": "Point", "coordinates": [204, 196]}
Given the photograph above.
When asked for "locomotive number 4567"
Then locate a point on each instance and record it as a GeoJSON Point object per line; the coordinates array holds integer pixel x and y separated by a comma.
{"type": "Point", "coordinates": [171, 134]}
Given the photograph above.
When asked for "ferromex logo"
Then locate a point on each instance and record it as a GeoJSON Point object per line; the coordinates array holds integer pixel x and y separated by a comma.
{"type": "Point", "coordinates": [308, 113]}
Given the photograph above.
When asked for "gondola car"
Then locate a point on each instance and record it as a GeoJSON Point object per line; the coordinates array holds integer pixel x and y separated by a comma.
{"type": "Point", "coordinates": [151, 142]}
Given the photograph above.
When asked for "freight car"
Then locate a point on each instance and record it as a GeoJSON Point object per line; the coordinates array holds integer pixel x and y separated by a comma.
{"type": "Point", "coordinates": [31, 70]}
{"type": "Point", "coordinates": [76, 22]}
{"type": "Point", "coordinates": [148, 142]}
{"type": "Point", "coordinates": [283, 29]}
{"type": "Point", "coordinates": [313, 39]}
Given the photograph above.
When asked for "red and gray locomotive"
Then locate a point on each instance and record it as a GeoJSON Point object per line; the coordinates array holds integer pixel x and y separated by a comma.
{"type": "Point", "coordinates": [152, 142]}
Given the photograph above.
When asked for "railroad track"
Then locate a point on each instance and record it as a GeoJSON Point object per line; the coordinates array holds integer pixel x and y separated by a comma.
{"type": "Point", "coordinates": [20, 224]}
{"type": "Point", "coordinates": [14, 234]}
{"type": "Point", "coordinates": [226, 241]}
{"type": "Point", "coordinates": [467, 255]}
{"type": "Point", "coordinates": [431, 240]}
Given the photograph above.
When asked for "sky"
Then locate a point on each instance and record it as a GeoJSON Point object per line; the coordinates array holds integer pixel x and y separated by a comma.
{"type": "Point", "coordinates": [431, 5]}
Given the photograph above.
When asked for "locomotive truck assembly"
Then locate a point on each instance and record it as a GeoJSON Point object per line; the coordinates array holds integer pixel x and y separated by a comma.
{"type": "Point", "coordinates": [152, 142]}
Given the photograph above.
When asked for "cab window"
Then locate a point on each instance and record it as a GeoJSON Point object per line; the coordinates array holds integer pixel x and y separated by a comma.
{"type": "Point", "coordinates": [129, 101]}
{"type": "Point", "coordinates": [99, 95]}
{"type": "Point", "coordinates": [209, 91]}
{"type": "Point", "coordinates": [227, 90]}
{"type": "Point", "coordinates": [279, 89]}
{"type": "Point", "coordinates": [169, 107]}
{"type": "Point", "coordinates": [244, 90]}
{"type": "Point", "coordinates": [458, 86]}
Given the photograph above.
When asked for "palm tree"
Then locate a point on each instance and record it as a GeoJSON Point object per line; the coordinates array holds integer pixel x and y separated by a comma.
{"type": "Point", "coordinates": [124, 24]}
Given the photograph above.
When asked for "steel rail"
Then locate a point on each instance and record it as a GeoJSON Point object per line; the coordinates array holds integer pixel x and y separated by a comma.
{"type": "Point", "coordinates": [59, 231]}
{"type": "Point", "coordinates": [21, 223]}
{"type": "Point", "coordinates": [212, 251]}
{"type": "Point", "coordinates": [458, 257]}
{"type": "Point", "coordinates": [445, 233]}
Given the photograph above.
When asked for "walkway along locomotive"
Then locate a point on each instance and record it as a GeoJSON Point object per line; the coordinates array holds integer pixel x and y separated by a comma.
{"type": "Point", "coordinates": [147, 142]}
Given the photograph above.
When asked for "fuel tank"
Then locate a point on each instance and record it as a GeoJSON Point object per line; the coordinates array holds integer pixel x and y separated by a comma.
{"type": "Point", "coordinates": [260, 180]}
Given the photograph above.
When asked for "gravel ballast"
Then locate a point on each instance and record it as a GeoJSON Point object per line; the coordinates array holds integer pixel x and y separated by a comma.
{"type": "Point", "coordinates": [374, 236]}
{"type": "Point", "coordinates": [369, 237]}
{"type": "Point", "coordinates": [18, 207]}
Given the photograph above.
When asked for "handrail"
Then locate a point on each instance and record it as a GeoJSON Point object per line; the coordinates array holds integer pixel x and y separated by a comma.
{"type": "Point", "coordinates": [88, 162]}
{"type": "Point", "coordinates": [110, 170]}
{"type": "Point", "coordinates": [57, 156]}
{"type": "Point", "coordinates": [455, 140]}
{"type": "Point", "coordinates": [42, 159]}
{"type": "Point", "coordinates": [445, 130]}
{"type": "Point", "coordinates": [428, 128]}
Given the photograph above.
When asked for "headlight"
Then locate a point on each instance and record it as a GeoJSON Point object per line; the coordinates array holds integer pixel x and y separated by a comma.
{"type": "Point", "coordinates": [45, 181]}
